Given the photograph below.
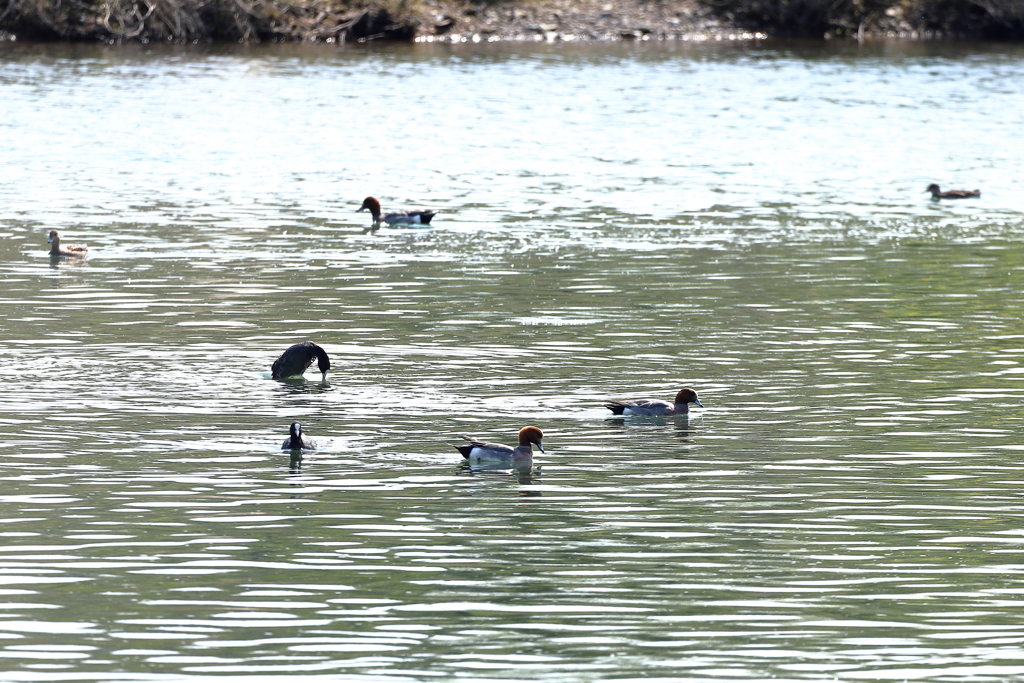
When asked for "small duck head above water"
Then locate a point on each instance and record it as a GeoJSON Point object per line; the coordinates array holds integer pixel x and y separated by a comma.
{"type": "Point", "coordinates": [68, 249]}
{"type": "Point", "coordinates": [686, 396]}
{"type": "Point", "coordinates": [371, 204]}
{"type": "Point", "coordinates": [531, 435]}
{"type": "Point", "coordinates": [937, 193]}
{"type": "Point", "coordinates": [297, 440]}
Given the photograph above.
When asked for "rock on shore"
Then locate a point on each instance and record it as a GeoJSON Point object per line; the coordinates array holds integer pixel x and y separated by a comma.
{"type": "Point", "coordinates": [453, 21]}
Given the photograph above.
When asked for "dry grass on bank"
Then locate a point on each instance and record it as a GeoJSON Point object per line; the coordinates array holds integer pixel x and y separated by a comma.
{"type": "Point", "coordinates": [200, 20]}
{"type": "Point", "coordinates": [340, 20]}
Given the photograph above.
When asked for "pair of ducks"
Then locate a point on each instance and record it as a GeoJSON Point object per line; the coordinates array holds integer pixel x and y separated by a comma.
{"type": "Point", "coordinates": [522, 455]}
{"type": "Point", "coordinates": [371, 203]}
{"type": "Point", "coordinates": [423, 217]}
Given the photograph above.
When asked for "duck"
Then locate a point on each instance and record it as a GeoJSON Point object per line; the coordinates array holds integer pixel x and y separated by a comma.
{"type": "Point", "coordinates": [951, 194]}
{"type": "Point", "coordinates": [396, 218]}
{"type": "Point", "coordinates": [681, 406]}
{"type": "Point", "coordinates": [297, 440]}
{"type": "Point", "coordinates": [68, 249]}
{"type": "Point", "coordinates": [297, 358]}
{"type": "Point", "coordinates": [520, 456]}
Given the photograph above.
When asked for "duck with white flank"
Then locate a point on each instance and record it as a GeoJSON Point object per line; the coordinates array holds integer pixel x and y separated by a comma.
{"type": "Point", "coordinates": [520, 456]}
{"type": "Point", "coordinates": [951, 194]}
{"type": "Point", "coordinates": [396, 218]}
{"type": "Point", "coordinates": [296, 358]}
{"type": "Point", "coordinates": [68, 249]}
{"type": "Point", "coordinates": [681, 406]}
{"type": "Point", "coordinates": [297, 440]}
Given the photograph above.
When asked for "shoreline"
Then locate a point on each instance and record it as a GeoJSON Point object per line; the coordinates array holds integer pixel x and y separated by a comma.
{"type": "Point", "coordinates": [455, 21]}
{"type": "Point", "coordinates": [570, 20]}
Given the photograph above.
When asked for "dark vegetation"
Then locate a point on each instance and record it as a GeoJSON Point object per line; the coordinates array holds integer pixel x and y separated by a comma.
{"type": "Point", "coordinates": [986, 19]}
{"type": "Point", "coordinates": [340, 20]}
{"type": "Point", "coordinates": [198, 20]}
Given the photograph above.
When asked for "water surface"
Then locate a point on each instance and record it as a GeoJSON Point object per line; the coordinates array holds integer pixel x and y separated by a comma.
{"type": "Point", "coordinates": [615, 222]}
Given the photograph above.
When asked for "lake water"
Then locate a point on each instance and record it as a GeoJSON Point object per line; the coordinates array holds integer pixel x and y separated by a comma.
{"type": "Point", "coordinates": [615, 221]}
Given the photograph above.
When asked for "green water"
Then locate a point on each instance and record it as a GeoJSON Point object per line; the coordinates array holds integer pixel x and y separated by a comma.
{"type": "Point", "coordinates": [845, 507]}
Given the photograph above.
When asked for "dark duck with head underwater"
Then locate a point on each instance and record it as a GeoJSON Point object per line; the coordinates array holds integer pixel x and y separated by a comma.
{"type": "Point", "coordinates": [297, 358]}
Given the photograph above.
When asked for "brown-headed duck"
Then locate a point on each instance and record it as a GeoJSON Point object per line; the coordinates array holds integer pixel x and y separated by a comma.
{"type": "Point", "coordinates": [396, 218]}
{"type": "Point", "coordinates": [520, 456]}
{"type": "Point", "coordinates": [680, 406]}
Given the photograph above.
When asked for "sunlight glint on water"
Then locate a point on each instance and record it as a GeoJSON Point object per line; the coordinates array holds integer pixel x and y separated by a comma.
{"type": "Point", "coordinates": [615, 222]}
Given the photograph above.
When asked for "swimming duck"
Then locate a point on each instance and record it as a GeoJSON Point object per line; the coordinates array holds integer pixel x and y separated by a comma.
{"type": "Point", "coordinates": [297, 358]}
{"type": "Point", "coordinates": [297, 440]}
{"type": "Point", "coordinates": [68, 249]}
{"type": "Point", "coordinates": [396, 218]}
{"type": "Point", "coordinates": [951, 194]}
{"type": "Point", "coordinates": [521, 456]}
{"type": "Point", "coordinates": [681, 406]}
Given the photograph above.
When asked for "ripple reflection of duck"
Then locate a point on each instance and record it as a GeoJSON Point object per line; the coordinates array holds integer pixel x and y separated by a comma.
{"type": "Point", "coordinates": [524, 475]}
{"type": "Point", "coordinates": [937, 193]}
{"type": "Point", "coordinates": [297, 358]}
{"type": "Point", "coordinates": [56, 250]}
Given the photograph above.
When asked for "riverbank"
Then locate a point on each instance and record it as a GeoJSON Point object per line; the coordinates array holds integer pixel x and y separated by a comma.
{"type": "Point", "coordinates": [445, 20]}
{"type": "Point", "coordinates": [464, 20]}
{"type": "Point", "coordinates": [458, 20]}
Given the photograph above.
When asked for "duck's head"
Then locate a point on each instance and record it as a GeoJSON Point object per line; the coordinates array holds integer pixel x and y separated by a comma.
{"type": "Point", "coordinates": [372, 204]}
{"type": "Point", "coordinates": [934, 189]}
{"type": "Point", "coordinates": [688, 395]}
{"type": "Point", "coordinates": [529, 435]}
{"type": "Point", "coordinates": [296, 430]}
{"type": "Point", "coordinates": [54, 237]}
{"type": "Point", "coordinates": [323, 363]}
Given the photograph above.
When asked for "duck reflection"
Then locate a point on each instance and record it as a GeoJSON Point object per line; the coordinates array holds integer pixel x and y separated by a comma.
{"type": "Point", "coordinates": [58, 262]}
{"type": "Point", "coordinates": [295, 386]}
{"type": "Point", "coordinates": [684, 426]}
{"type": "Point", "coordinates": [525, 476]}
